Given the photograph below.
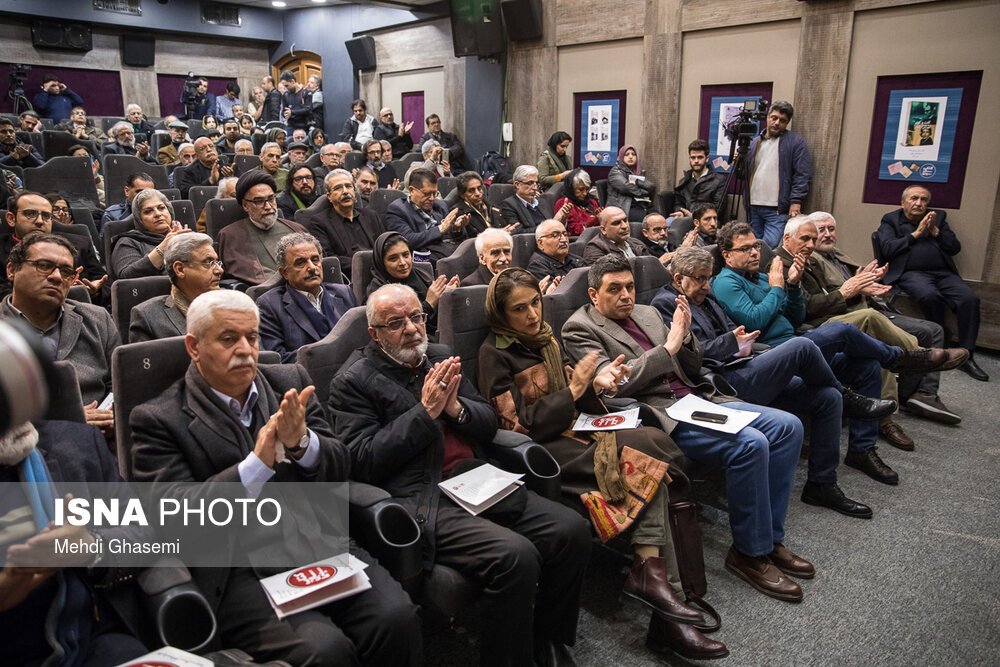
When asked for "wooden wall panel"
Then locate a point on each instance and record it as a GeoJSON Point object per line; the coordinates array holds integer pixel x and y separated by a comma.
{"type": "Point", "coordinates": [584, 22]}
{"type": "Point", "coordinates": [531, 100]}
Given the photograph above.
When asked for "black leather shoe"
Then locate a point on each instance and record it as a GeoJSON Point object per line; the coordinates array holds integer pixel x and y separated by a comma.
{"type": "Point", "coordinates": [972, 369]}
{"type": "Point", "coordinates": [858, 406]}
{"type": "Point", "coordinates": [869, 463]}
{"type": "Point", "coordinates": [830, 495]}
{"type": "Point", "coordinates": [553, 654]}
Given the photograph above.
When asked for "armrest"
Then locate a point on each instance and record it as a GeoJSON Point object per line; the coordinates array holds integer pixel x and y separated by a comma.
{"type": "Point", "coordinates": [803, 328]}
{"type": "Point", "coordinates": [233, 283]}
{"type": "Point", "coordinates": [518, 453]}
{"type": "Point", "coordinates": [181, 614]}
{"type": "Point", "coordinates": [384, 527]}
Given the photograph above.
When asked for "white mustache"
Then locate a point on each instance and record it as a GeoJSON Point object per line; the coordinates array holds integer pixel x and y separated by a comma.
{"type": "Point", "coordinates": [241, 362]}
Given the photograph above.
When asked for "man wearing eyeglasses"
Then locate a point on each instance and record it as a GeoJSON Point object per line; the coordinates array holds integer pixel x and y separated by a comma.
{"type": "Point", "coordinates": [41, 269]}
{"type": "Point", "coordinates": [205, 169]}
{"type": "Point", "coordinates": [410, 420]}
{"type": "Point", "coordinates": [552, 257]}
{"type": "Point", "coordinates": [303, 309]}
{"type": "Point", "coordinates": [193, 269]}
{"type": "Point", "coordinates": [774, 304]}
{"type": "Point", "coordinates": [248, 247]}
{"type": "Point", "coordinates": [522, 207]}
{"type": "Point", "coordinates": [654, 234]}
{"type": "Point", "coordinates": [373, 156]}
{"type": "Point", "coordinates": [123, 143]}
{"type": "Point", "coordinates": [32, 212]}
{"type": "Point", "coordinates": [398, 135]}
{"type": "Point", "coordinates": [299, 192]}
{"type": "Point", "coordinates": [424, 220]}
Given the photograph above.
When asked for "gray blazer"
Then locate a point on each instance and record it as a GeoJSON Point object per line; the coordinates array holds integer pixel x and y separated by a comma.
{"type": "Point", "coordinates": [588, 331]}
{"type": "Point", "coordinates": [155, 319]}
{"type": "Point", "coordinates": [87, 337]}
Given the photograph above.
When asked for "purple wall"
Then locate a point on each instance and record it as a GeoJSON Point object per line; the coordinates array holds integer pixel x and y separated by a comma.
{"type": "Point", "coordinates": [101, 90]}
{"type": "Point", "coordinates": [170, 87]}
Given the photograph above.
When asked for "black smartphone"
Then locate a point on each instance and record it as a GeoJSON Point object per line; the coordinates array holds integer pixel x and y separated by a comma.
{"type": "Point", "coordinates": [711, 417]}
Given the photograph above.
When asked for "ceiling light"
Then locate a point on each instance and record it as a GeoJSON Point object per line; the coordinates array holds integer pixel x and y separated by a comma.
{"type": "Point", "coordinates": [319, 2]}
{"type": "Point", "coordinates": [277, 3]}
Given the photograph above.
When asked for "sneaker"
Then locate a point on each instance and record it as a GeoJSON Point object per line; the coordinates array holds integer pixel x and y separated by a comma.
{"type": "Point", "coordinates": [929, 406]}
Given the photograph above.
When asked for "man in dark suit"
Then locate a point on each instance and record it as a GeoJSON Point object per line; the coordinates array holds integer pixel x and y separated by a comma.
{"type": "Point", "coordinates": [41, 269]}
{"type": "Point", "coordinates": [123, 143]}
{"type": "Point", "coordinates": [409, 418]}
{"type": "Point", "coordinates": [920, 246]}
{"type": "Point", "coordinates": [205, 169]}
{"type": "Point", "coordinates": [522, 207]}
{"type": "Point", "coordinates": [471, 202]}
{"type": "Point", "coordinates": [552, 257]}
{"type": "Point", "coordinates": [134, 184]}
{"type": "Point", "coordinates": [14, 153]}
{"type": "Point", "coordinates": [227, 420]}
{"type": "Point", "coordinates": [613, 238]}
{"type": "Point", "coordinates": [193, 268]}
{"type": "Point", "coordinates": [495, 249]}
{"type": "Point", "coordinates": [448, 141]}
{"type": "Point", "coordinates": [398, 135]}
{"type": "Point", "coordinates": [31, 212]}
{"type": "Point", "coordinates": [304, 309]}
{"type": "Point", "coordinates": [341, 227]}
{"type": "Point", "coordinates": [423, 219]}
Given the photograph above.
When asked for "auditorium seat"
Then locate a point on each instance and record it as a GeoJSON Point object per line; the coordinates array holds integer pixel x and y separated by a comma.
{"type": "Point", "coordinates": [71, 175]}
{"type": "Point", "coordinates": [128, 293]}
{"type": "Point", "coordinates": [382, 197]}
{"type": "Point", "coordinates": [244, 163]}
{"type": "Point", "coordinates": [199, 195]}
{"type": "Point", "coordinates": [560, 303]}
{"type": "Point", "coordinates": [353, 160]}
{"type": "Point", "coordinates": [497, 192]}
{"type": "Point", "coordinates": [462, 262]}
{"type": "Point", "coordinates": [219, 213]}
{"type": "Point", "coordinates": [65, 401]}
{"type": "Point", "coordinates": [650, 276]}
{"type": "Point", "coordinates": [57, 144]}
{"type": "Point", "coordinates": [587, 234]}
{"type": "Point", "coordinates": [677, 229]}
{"type": "Point", "coordinates": [446, 184]}
{"type": "Point", "coordinates": [602, 191]}
{"type": "Point", "coordinates": [524, 247]}
{"type": "Point", "coordinates": [117, 169]}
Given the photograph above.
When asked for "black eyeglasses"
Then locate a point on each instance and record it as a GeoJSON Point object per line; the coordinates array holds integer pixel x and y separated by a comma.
{"type": "Point", "coordinates": [60, 209]}
{"type": "Point", "coordinates": [397, 323]}
{"type": "Point", "coordinates": [748, 248]}
{"type": "Point", "coordinates": [260, 201]}
{"type": "Point", "coordinates": [45, 267]}
{"type": "Point", "coordinates": [300, 179]}
{"type": "Point", "coordinates": [31, 215]}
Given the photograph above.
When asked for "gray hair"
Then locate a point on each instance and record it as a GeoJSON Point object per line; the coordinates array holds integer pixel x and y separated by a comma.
{"type": "Point", "coordinates": [220, 193]}
{"type": "Point", "coordinates": [397, 289]}
{"type": "Point", "coordinates": [581, 178]}
{"type": "Point", "coordinates": [688, 259]}
{"type": "Point", "coordinates": [183, 146]}
{"type": "Point", "coordinates": [201, 312]}
{"type": "Point", "coordinates": [120, 125]}
{"type": "Point", "coordinates": [338, 144]}
{"type": "Point", "coordinates": [129, 108]}
{"type": "Point", "coordinates": [181, 249]}
{"type": "Point", "coordinates": [290, 241]}
{"type": "Point", "coordinates": [523, 171]}
{"type": "Point", "coordinates": [426, 147]}
{"type": "Point", "coordinates": [538, 229]}
{"type": "Point", "coordinates": [336, 172]}
{"type": "Point", "coordinates": [149, 193]}
{"type": "Point", "coordinates": [492, 231]}
{"type": "Point", "coordinates": [270, 144]}
{"type": "Point", "coordinates": [243, 141]}
{"type": "Point", "coordinates": [793, 224]}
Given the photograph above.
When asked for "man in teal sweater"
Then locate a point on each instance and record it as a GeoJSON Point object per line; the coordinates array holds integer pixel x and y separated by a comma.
{"type": "Point", "coordinates": [766, 303]}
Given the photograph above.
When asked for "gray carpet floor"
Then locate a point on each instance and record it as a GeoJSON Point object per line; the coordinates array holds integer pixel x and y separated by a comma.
{"type": "Point", "coordinates": [917, 585]}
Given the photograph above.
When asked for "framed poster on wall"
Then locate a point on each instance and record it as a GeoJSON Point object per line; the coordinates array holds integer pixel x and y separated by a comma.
{"type": "Point", "coordinates": [719, 105]}
{"type": "Point", "coordinates": [921, 131]}
{"type": "Point", "coordinates": [600, 130]}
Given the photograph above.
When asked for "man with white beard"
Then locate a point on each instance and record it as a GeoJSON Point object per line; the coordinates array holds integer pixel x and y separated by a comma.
{"type": "Point", "coordinates": [247, 247]}
{"type": "Point", "coordinates": [124, 143]}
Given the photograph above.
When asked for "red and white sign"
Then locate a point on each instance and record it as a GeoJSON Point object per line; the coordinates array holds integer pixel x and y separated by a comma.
{"type": "Point", "coordinates": [609, 421]}
{"type": "Point", "coordinates": [315, 584]}
{"type": "Point", "coordinates": [613, 421]}
{"type": "Point", "coordinates": [311, 576]}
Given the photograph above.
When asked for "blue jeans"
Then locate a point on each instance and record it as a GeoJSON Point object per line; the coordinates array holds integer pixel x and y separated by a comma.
{"type": "Point", "coordinates": [768, 225]}
{"type": "Point", "coordinates": [760, 466]}
{"type": "Point", "coordinates": [857, 359]}
{"type": "Point", "coordinates": [795, 377]}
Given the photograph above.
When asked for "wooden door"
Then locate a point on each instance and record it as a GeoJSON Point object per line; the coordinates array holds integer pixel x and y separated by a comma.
{"type": "Point", "coordinates": [302, 63]}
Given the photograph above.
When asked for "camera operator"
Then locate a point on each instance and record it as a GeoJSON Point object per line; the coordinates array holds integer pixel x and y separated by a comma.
{"type": "Point", "coordinates": [56, 100]}
{"type": "Point", "coordinates": [197, 101]}
{"type": "Point", "coordinates": [780, 169]}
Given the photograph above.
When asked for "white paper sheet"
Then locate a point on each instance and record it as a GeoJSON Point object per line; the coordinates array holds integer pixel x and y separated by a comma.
{"type": "Point", "coordinates": [682, 409]}
{"type": "Point", "coordinates": [613, 421]}
{"type": "Point", "coordinates": [170, 656]}
{"type": "Point", "coordinates": [481, 488]}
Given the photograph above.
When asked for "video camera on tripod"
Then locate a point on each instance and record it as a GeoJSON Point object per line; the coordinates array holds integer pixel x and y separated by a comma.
{"type": "Point", "coordinates": [18, 75]}
{"type": "Point", "coordinates": [191, 96]}
{"type": "Point", "coordinates": [743, 127]}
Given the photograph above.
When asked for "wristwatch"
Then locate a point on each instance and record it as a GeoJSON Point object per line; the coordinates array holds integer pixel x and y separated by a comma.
{"type": "Point", "coordinates": [463, 416]}
{"type": "Point", "coordinates": [302, 444]}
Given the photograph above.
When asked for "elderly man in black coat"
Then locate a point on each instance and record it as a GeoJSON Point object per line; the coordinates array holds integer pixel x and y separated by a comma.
{"type": "Point", "coordinates": [410, 420]}
{"type": "Point", "coordinates": [229, 421]}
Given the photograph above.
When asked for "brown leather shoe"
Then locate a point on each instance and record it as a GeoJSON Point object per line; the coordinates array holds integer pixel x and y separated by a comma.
{"type": "Point", "coordinates": [790, 564]}
{"type": "Point", "coordinates": [893, 433]}
{"type": "Point", "coordinates": [647, 583]}
{"type": "Point", "coordinates": [683, 639]}
{"type": "Point", "coordinates": [759, 572]}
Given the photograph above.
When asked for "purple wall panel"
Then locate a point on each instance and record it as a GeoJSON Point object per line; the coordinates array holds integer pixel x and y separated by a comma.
{"type": "Point", "coordinates": [170, 87]}
{"type": "Point", "coordinates": [413, 109]}
{"type": "Point", "coordinates": [101, 90]}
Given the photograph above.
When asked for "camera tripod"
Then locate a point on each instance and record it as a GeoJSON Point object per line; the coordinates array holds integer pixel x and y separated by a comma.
{"type": "Point", "coordinates": [738, 175]}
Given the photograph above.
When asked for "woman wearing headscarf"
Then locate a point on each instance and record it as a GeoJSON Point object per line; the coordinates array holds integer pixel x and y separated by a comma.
{"type": "Point", "coordinates": [316, 140]}
{"type": "Point", "coordinates": [581, 208]}
{"type": "Point", "coordinates": [209, 122]}
{"type": "Point", "coordinates": [392, 262]}
{"type": "Point", "coordinates": [529, 381]}
{"type": "Point", "coordinates": [277, 135]}
{"type": "Point", "coordinates": [628, 187]}
{"type": "Point", "coordinates": [554, 164]}
{"type": "Point", "coordinates": [139, 252]}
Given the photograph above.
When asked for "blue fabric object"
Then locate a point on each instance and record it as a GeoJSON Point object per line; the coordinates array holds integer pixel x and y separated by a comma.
{"type": "Point", "coordinates": [768, 225]}
{"type": "Point", "coordinates": [756, 305]}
